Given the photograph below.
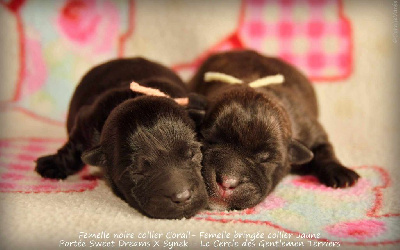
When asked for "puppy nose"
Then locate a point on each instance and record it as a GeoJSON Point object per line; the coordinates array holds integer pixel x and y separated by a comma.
{"type": "Point", "coordinates": [230, 182]}
{"type": "Point", "coordinates": [182, 196]}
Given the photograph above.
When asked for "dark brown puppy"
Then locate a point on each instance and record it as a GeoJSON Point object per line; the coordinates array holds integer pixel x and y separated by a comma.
{"type": "Point", "coordinates": [254, 137]}
{"type": "Point", "coordinates": [147, 145]}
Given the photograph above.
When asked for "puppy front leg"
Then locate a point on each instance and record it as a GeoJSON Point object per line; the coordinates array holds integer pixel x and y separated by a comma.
{"type": "Point", "coordinates": [85, 132]}
{"type": "Point", "coordinates": [66, 161]}
{"type": "Point", "coordinates": [329, 170]}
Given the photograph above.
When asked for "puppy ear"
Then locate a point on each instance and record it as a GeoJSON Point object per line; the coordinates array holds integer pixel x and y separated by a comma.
{"type": "Point", "coordinates": [197, 108]}
{"type": "Point", "coordinates": [298, 153]}
{"type": "Point", "coordinates": [94, 157]}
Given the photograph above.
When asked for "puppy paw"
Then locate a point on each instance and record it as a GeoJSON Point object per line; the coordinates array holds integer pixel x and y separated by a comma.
{"type": "Point", "coordinates": [337, 176]}
{"type": "Point", "coordinates": [50, 167]}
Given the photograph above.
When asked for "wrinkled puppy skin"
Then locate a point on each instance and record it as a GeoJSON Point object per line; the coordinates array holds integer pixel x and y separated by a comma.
{"type": "Point", "coordinates": [254, 137]}
{"type": "Point", "coordinates": [146, 145]}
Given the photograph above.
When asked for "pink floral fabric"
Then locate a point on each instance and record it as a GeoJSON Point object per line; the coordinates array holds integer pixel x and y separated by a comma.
{"type": "Point", "coordinates": [17, 164]}
{"type": "Point", "coordinates": [89, 23]}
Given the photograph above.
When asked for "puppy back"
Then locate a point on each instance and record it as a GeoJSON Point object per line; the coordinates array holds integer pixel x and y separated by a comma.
{"type": "Point", "coordinates": [116, 74]}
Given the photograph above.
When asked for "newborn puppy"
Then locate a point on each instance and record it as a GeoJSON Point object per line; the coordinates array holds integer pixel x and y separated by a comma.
{"type": "Point", "coordinates": [147, 145]}
{"type": "Point", "coordinates": [253, 137]}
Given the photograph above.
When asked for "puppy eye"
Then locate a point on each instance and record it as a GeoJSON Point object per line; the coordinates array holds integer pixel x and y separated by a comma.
{"type": "Point", "coordinates": [142, 164]}
{"type": "Point", "coordinates": [129, 177]}
{"type": "Point", "coordinates": [212, 141]}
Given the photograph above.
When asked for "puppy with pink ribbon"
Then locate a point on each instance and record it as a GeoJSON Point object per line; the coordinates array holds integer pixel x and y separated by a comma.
{"type": "Point", "coordinates": [133, 119]}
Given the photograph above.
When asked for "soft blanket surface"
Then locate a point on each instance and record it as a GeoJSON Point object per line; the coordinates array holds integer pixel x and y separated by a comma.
{"type": "Point", "coordinates": [350, 57]}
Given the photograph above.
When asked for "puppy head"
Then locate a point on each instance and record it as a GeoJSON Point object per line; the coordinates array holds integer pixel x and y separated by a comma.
{"type": "Point", "coordinates": [152, 158]}
{"type": "Point", "coordinates": [248, 149]}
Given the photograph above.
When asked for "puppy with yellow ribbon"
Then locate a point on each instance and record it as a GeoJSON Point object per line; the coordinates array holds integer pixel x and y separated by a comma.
{"type": "Point", "coordinates": [261, 124]}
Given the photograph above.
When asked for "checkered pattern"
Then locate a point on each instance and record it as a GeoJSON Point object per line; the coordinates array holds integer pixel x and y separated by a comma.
{"type": "Point", "coordinates": [17, 165]}
{"type": "Point", "coordinates": [312, 35]}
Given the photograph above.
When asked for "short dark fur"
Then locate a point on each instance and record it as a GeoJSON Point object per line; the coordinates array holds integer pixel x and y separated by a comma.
{"type": "Point", "coordinates": [147, 145]}
{"type": "Point", "coordinates": [254, 137]}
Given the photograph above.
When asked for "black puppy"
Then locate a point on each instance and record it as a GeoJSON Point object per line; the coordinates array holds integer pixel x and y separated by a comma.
{"type": "Point", "coordinates": [253, 137]}
{"type": "Point", "coordinates": [147, 145]}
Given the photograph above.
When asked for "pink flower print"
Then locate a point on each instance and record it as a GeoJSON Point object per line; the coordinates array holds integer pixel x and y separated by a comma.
{"type": "Point", "coordinates": [89, 23]}
{"type": "Point", "coordinates": [361, 229]}
{"type": "Point", "coordinates": [307, 181]}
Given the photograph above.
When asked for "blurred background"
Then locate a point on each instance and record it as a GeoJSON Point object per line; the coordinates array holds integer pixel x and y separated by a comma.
{"type": "Point", "coordinates": [50, 45]}
{"type": "Point", "coordinates": [348, 49]}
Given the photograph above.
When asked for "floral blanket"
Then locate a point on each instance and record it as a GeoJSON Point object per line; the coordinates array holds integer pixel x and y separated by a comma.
{"type": "Point", "coordinates": [50, 45]}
